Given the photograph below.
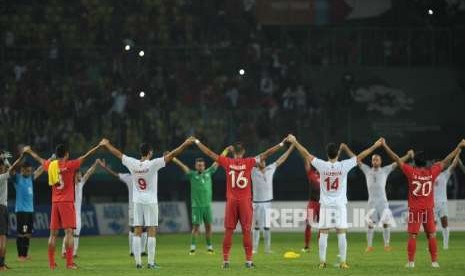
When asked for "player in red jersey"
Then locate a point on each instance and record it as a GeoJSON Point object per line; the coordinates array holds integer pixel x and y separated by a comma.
{"type": "Point", "coordinates": [313, 206]}
{"type": "Point", "coordinates": [63, 215]}
{"type": "Point", "coordinates": [421, 199]}
{"type": "Point", "coordinates": [238, 194]}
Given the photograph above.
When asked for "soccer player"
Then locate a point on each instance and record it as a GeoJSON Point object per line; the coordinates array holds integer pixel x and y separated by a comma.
{"type": "Point", "coordinates": [440, 200]}
{"type": "Point", "coordinates": [313, 206]}
{"type": "Point", "coordinates": [24, 207]}
{"type": "Point", "coordinates": [201, 198]}
{"type": "Point", "coordinates": [127, 179]}
{"type": "Point", "coordinates": [262, 183]}
{"type": "Point", "coordinates": [80, 180]}
{"type": "Point", "coordinates": [378, 207]}
{"type": "Point", "coordinates": [238, 195]}
{"type": "Point", "coordinates": [144, 173]}
{"type": "Point", "coordinates": [333, 193]}
{"type": "Point", "coordinates": [421, 200]}
{"type": "Point", "coordinates": [5, 172]}
{"type": "Point", "coordinates": [63, 215]}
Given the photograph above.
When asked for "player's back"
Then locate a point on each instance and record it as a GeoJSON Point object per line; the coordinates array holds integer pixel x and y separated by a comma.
{"type": "Point", "coordinates": [144, 178]}
{"type": "Point", "coordinates": [333, 180]}
{"type": "Point", "coordinates": [64, 191]}
{"type": "Point", "coordinates": [238, 176]}
{"type": "Point", "coordinates": [420, 182]}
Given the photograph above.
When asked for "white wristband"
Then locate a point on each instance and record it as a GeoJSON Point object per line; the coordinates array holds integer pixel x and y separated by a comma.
{"type": "Point", "coordinates": [197, 141]}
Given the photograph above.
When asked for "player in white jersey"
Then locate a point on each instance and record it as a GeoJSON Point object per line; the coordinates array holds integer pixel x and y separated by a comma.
{"type": "Point", "coordinates": [144, 173]}
{"type": "Point", "coordinates": [440, 200]}
{"type": "Point", "coordinates": [127, 179]}
{"type": "Point", "coordinates": [79, 182]}
{"type": "Point", "coordinates": [333, 193]}
{"type": "Point", "coordinates": [378, 207]}
{"type": "Point", "coordinates": [262, 184]}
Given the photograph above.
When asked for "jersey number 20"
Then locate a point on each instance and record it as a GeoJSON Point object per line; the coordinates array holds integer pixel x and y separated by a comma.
{"type": "Point", "coordinates": [422, 189]}
{"type": "Point", "coordinates": [332, 186]}
{"type": "Point", "coordinates": [241, 181]}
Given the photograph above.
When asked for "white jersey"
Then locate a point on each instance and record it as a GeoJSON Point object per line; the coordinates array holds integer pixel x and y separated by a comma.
{"type": "Point", "coordinates": [144, 178]}
{"type": "Point", "coordinates": [440, 186]}
{"type": "Point", "coordinates": [376, 182]}
{"type": "Point", "coordinates": [333, 179]}
{"type": "Point", "coordinates": [262, 183]}
{"type": "Point", "coordinates": [127, 179]}
{"type": "Point", "coordinates": [78, 189]}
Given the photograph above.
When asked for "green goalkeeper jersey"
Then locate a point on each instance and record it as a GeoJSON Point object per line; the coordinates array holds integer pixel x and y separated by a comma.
{"type": "Point", "coordinates": [201, 187]}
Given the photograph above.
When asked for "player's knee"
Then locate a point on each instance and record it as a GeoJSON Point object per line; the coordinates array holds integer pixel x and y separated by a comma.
{"type": "Point", "coordinates": [412, 236]}
{"type": "Point", "coordinates": [431, 235]}
{"type": "Point", "coordinates": [267, 228]}
{"type": "Point", "coordinates": [385, 225]}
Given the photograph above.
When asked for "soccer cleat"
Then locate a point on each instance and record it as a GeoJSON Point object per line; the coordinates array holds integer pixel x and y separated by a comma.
{"type": "Point", "coordinates": [435, 264]}
{"type": "Point", "coordinates": [139, 266]}
{"type": "Point", "coordinates": [410, 265]}
{"type": "Point", "coordinates": [254, 252]}
{"type": "Point", "coordinates": [249, 265]}
{"type": "Point", "coordinates": [4, 268]}
{"type": "Point", "coordinates": [344, 265]}
{"type": "Point", "coordinates": [192, 252]}
{"type": "Point", "coordinates": [306, 250]}
{"type": "Point", "coordinates": [369, 249]}
{"type": "Point", "coordinates": [388, 248]}
{"type": "Point", "coordinates": [269, 251]}
{"type": "Point", "coordinates": [22, 259]}
{"type": "Point", "coordinates": [153, 266]}
{"type": "Point", "coordinates": [225, 265]}
{"type": "Point", "coordinates": [322, 265]}
{"type": "Point", "coordinates": [72, 266]}
{"type": "Point", "coordinates": [210, 251]}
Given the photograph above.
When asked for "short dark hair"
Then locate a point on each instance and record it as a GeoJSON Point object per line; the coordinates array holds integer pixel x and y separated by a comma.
{"type": "Point", "coordinates": [199, 159]}
{"type": "Point", "coordinates": [420, 159]}
{"type": "Point", "coordinates": [26, 164]}
{"type": "Point", "coordinates": [145, 149]}
{"type": "Point", "coordinates": [238, 147]}
{"type": "Point", "coordinates": [61, 150]}
{"type": "Point", "coordinates": [332, 150]}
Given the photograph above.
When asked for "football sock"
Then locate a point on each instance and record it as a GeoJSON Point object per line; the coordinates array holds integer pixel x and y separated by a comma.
{"type": "Point", "coordinates": [151, 245]}
{"type": "Point", "coordinates": [370, 234]}
{"type": "Point", "coordinates": [308, 235]}
{"type": "Point", "coordinates": [411, 249]}
{"type": "Point", "coordinates": [136, 243]}
{"type": "Point", "coordinates": [256, 238]}
{"type": "Point", "coordinates": [387, 236]}
{"type": "Point", "coordinates": [445, 237]}
{"type": "Point", "coordinates": [323, 244]}
{"type": "Point", "coordinates": [342, 243]}
{"type": "Point", "coordinates": [247, 242]}
{"type": "Point", "coordinates": [267, 238]}
{"type": "Point", "coordinates": [433, 248]}
{"type": "Point", "coordinates": [227, 243]}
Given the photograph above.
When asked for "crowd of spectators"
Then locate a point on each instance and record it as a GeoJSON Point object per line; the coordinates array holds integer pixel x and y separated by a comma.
{"type": "Point", "coordinates": [65, 75]}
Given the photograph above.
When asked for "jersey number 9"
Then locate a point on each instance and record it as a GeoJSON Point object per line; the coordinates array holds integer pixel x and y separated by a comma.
{"type": "Point", "coordinates": [142, 184]}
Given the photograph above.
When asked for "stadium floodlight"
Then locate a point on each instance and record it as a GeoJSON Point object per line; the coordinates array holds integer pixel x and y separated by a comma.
{"type": "Point", "coordinates": [141, 94]}
{"type": "Point", "coordinates": [430, 12]}
{"type": "Point", "coordinates": [141, 53]}
{"type": "Point", "coordinates": [241, 72]}
{"type": "Point", "coordinates": [127, 47]}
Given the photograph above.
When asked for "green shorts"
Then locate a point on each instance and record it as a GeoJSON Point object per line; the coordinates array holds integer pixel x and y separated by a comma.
{"type": "Point", "coordinates": [202, 215]}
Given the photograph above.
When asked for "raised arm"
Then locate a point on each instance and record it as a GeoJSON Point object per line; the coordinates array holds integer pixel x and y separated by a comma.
{"type": "Point", "coordinates": [170, 155]}
{"type": "Point", "coordinates": [369, 150]}
{"type": "Point", "coordinates": [392, 154]}
{"type": "Point", "coordinates": [264, 155]}
{"type": "Point", "coordinates": [462, 167]}
{"type": "Point", "coordinates": [285, 155]}
{"type": "Point", "coordinates": [405, 158]}
{"type": "Point", "coordinates": [90, 171]}
{"type": "Point", "coordinates": [446, 161]}
{"type": "Point", "coordinates": [38, 172]}
{"type": "Point", "coordinates": [345, 148]}
{"type": "Point", "coordinates": [103, 164]}
{"type": "Point", "coordinates": [208, 152]}
{"type": "Point", "coordinates": [302, 150]}
{"type": "Point", "coordinates": [28, 150]}
{"type": "Point", "coordinates": [180, 164]}
{"type": "Point", "coordinates": [13, 167]}
{"type": "Point", "coordinates": [225, 152]}
{"type": "Point", "coordinates": [455, 162]}
{"type": "Point", "coordinates": [116, 152]}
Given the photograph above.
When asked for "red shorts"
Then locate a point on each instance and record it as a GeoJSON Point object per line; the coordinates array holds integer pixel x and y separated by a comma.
{"type": "Point", "coordinates": [418, 217]}
{"type": "Point", "coordinates": [238, 210]}
{"type": "Point", "coordinates": [63, 216]}
{"type": "Point", "coordinates": [313, 211]}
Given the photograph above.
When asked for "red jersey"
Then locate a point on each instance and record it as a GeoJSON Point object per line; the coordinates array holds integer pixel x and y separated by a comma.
{"type": "Point", "coordinates": [64, 192]}
{"type": "Point", "coordinates": [238, 176]}
{"type": "Point", "coordinates": [420, 185]}
{"type": "Point", "coordinates": [314, 181]}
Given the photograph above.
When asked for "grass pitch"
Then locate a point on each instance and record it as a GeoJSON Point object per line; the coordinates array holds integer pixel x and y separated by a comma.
{"type": "Point", "coordinates": [109, 256]}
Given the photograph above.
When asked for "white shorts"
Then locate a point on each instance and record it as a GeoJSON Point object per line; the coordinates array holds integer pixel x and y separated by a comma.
{"type": "Point", "coordinates": [261, 213]}
{"type": "Point", "coordinates": [77, 231]}
{"type": "Point", "coordinates": [131, 217]}
{"type": "Point", "coordinates": [379, 212]}
{"type": "Point", "coordinates": [333, 217]}
{"type": "Point", "coordinates": [145, 214]}
{"type": "Point", "coordinates": [440, 210]}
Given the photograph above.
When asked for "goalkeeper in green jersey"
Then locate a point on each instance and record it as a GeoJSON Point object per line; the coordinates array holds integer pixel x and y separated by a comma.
{"type": "Point", "coordinates": [201, 198]}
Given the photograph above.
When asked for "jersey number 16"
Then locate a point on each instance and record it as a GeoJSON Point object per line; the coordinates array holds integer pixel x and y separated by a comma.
{"type": "Point", "coordinates": [241, 181]}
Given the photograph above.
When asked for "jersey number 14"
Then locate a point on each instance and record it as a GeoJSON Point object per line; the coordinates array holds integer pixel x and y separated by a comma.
{"type": "Point", "coordinates": [332, 186]}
